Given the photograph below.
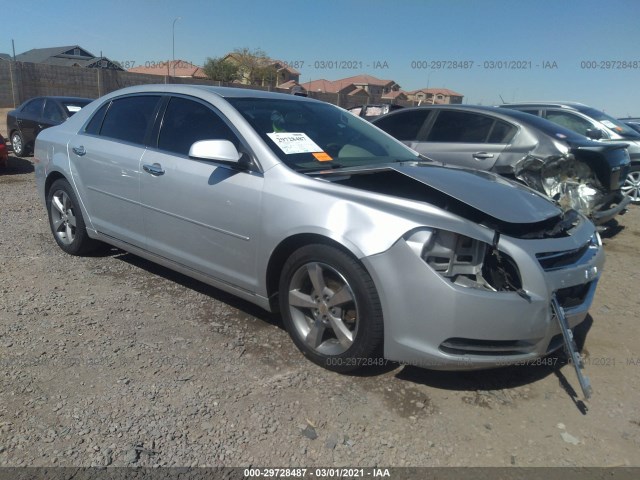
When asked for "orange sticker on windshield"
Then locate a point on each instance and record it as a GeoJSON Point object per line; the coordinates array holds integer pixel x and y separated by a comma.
{"type": "Point", "coordinates": [322, 156]}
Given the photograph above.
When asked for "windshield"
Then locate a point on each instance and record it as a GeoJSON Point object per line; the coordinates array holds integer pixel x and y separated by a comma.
{"type": "Point", "coordinates": [314, 136]}
{"type": "Point", "coordinates": [616, 125]}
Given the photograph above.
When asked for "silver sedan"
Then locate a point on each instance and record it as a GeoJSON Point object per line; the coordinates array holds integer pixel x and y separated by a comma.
{"type": "Point", "coordinates": [370, 251]}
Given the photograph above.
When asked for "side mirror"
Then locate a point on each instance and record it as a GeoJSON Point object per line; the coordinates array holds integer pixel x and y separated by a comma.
{"type": "Point", "coordinates": [594, 133]}
{"type": "Point", "coordinates": [220, 150]}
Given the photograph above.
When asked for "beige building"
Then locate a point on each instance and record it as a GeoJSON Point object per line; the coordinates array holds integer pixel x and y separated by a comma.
{"type": "Point", "coordinates": [434, 96]}
{"type": "Point", "coordinates": [361, 85]}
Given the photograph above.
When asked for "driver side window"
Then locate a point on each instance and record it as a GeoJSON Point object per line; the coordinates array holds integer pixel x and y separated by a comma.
{"type": "Point", "coordinates": [186, 122]}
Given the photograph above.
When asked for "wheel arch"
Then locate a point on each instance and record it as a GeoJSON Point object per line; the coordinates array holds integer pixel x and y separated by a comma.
{"type": "Point", "coordinates": [285, 249]}
{"type": "Point", "coordinates": [52, 177]}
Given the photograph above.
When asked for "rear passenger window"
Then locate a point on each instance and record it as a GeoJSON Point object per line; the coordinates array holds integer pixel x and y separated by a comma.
{"type": "Point", "coordinates": [129, 118]}
{"type": "Point", "coordinates": [186, 122]}
{"type": "Point", "coordinates": [94, 125]}
{"type": "Point", "coordinates": [502, 132]}
{"type": "Point", "coordinates": [52, 112]}
{"type": "Point", "coordinates": [403, 125]}
{"type": "Point", "coordinates": [462, 127]}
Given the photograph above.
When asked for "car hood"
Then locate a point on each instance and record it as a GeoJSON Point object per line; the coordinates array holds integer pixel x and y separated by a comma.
{"type": "Point", "coordinates": [494, 195]}
{"type": "Point", "coordinates": [497, 197]}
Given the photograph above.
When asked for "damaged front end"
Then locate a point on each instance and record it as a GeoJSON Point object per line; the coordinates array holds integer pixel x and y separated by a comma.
{"type": "Point", "coordinates": [576, 180]}
{"type": "Point", "coordinates": [467, 262]}
{"type": "Point", "coordinates": [570, 182]}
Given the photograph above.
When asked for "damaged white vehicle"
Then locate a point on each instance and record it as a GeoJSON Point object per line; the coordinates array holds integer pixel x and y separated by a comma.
{"type": "Point", "coordinates": [576, 172]}
{"type": "Point", "coordinates": [369, 251]}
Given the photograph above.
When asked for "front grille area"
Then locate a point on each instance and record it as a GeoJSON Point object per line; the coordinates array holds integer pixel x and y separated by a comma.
{"type": "Point", "coordinates": [471, 346]}
{"type": "Point", "coordinates": [554, 260]}
{"type": "Point", "coordinates": [573, 296]}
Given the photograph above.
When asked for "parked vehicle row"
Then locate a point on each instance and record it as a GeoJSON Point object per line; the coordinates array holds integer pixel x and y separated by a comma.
{"type": "Point", "coordinates": [363, 245]}
{"type": "Point", "coordinates": [578, 173]}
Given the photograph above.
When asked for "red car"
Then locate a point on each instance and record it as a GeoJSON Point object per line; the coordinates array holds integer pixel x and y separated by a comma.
{"type": "Point", "coordinates": [4, 156]}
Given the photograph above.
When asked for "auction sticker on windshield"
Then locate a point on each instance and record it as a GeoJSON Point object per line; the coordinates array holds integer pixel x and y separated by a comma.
{"type": "Point", "coordinates": [291, 143]}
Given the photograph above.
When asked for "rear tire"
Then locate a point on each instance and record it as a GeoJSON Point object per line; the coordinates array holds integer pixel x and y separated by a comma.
{"type": "Point", "coordinates": [631, 186]}
{"type": "Point", "coordinates": [66, 222]}
{"type": "Point", "coordinates": [17, 144]}
{"type": "Point", "coordinates": [331, 308]}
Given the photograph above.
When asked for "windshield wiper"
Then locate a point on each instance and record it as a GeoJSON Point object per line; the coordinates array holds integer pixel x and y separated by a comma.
{"type": "Point", "coordinates": [328, 166]}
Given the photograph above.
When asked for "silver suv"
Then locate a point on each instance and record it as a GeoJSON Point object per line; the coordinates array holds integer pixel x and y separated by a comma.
{"type": "Point", "coordinates": [596, 125]}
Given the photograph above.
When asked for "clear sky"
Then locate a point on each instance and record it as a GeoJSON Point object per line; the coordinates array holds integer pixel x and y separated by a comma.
{"type": "Point", "coordinates": [592, 47]}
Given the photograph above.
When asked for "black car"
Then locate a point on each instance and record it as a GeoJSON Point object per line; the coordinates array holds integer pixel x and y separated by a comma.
{"type": "Point", "coordinates": [578, 173]}
{"type": "Point", "coordinates": [25, 122]}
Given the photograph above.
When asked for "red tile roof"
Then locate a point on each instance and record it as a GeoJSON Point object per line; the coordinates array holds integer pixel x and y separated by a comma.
{"type": "Point", "coordinates": [394, 94]}
{"type": "Point", "coordinates": [182, 69]}
{"type": "Point", "coordinates": [366, 80]}
{"type": "Point", "coordinates": [358, 91]}
{"type": "Point", "coordinates": [335, 86]}
{"type": "Point", "coordinates": [436, 91]}
{"type": "Point", "coordinates": [322, 85]}
{"type": "Point", "coordinates": [289, 84]}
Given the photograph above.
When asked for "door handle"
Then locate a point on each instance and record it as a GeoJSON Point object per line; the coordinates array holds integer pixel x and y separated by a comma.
{"type": "Point", "coordinates": [155, 169]}
{"type": "Point", "coordinates": [80, 151]}
{"type": "Point", "coordinates": [482, 155]}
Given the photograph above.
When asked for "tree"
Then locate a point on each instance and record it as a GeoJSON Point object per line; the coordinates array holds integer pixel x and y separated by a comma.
{"type": "Point", "coordinates": [221, 70]}
{"type": "Point", "coordinates": [255, 67]}
{"type": "Point", "coordinates": [265, 75]}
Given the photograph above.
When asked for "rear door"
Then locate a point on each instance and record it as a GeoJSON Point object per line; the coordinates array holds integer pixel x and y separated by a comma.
{"type": "Point", "coordinates": [466, 139]}
{"type": "Point", "coordinates": [105, 163]}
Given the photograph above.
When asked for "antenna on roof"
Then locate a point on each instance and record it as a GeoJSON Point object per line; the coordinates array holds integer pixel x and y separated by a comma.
{"type": "Point", "coordinates": [502, 99]}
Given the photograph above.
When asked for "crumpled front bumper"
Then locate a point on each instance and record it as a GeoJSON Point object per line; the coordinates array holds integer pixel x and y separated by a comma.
{"type": "Point", "coordinates": [621, 202]}
{"type": "Point", "coordinates": [432, 323]}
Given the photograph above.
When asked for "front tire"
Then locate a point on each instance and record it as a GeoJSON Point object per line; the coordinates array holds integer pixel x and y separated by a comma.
{"type": "Point", "coordinates": [17, 144]}
{"type": "Point", "coordinates": [331, 309]}
{"type": "Point", "coordinates": [66, 222]}
{"type": "Point", "coordinates": [631, 186]}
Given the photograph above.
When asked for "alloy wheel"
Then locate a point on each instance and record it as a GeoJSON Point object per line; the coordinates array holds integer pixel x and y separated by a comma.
{"type": "Point", "coordinates": [63, 219]}
{"type": "Point", "coordinates": [323, 308]}
{"type": "Point", "coordinates": [631, 186]}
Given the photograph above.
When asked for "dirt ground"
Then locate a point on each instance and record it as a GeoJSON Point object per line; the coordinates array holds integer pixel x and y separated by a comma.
{"type": "Point", "coordinates": [111, 360]}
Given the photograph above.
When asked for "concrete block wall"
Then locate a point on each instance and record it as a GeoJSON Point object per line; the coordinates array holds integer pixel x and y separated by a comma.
{"type": "Point", "coordinates": [20, 81]}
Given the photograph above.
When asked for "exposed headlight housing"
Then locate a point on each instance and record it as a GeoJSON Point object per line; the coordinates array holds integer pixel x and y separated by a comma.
{"type": "Point", "coordinates": [569, 181]}
{"type": "Point", "coordinates": [465, 261]}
